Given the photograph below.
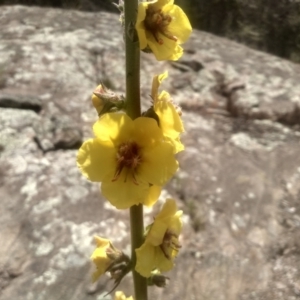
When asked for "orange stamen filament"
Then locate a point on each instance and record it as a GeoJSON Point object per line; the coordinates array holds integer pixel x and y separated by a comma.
{"type": "Point", "coordinates": [170, 242]}
{"type": "Point", "coordinates": [156, 22]}
{"type": "Point", "coordinates": [128, 158]}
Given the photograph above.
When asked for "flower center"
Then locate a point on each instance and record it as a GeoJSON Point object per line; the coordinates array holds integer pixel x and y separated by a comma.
{"type": "Point", "coordinates": [156, 22]}
{"type": "Point", "coordinates": [170, 243]}
{"type": "Point", "coordinates": [128, 157]}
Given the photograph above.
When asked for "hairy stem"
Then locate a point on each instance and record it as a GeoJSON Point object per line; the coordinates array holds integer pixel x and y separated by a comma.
{"type": "Point", "coordinates": [133, 109]}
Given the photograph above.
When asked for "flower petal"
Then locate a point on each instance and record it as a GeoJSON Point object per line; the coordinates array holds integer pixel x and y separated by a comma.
{"type": "Point", "coordinates": [159, 249]}
{"type": "Point", "coordinates": [180, 25]}
{"type": "Point", "coordinates": [113, 127]}
{"type": "Point", "coordinates": [99, 257]}
{"type": "Point", "coordinates": [157, 80]}
{"type": "Point", "coordinates": [178, 146]}
{"type": "Point", "coordinates": [156, 233]}
{"type": "Point", "coordinates": [169, 209]}
{"type": "Point", "coordinates": [170, 121]}
{"type": "Point", "coordinates": [145, 259]}
{"type": "Point", "coordinates": [159, 164]}
{"type": "Point", "coordinates": [140, 27]}
{"type": "Point", "coordinates": [96, 160]}
{"type": "Point", "coordinates": [176, 223]}
{"type": "Point", "coordinates": [124, 193]}
{"type": "Point", "coordinates": [152, 196]}
{"type": "Point", "coordinates": [101, 242]}
{"type": "Point", "coordinates": [150, 258]}
{"type": "Point", "coordinates": [169, 50]}
{"type": "Point", "coordinates": [170, 216]}
{"type": "Point", "coordinates": [146, 132]}
{"type": "Point", "coordinates": [161, 3]}
{"type": "Point", "coordinates": [162, 263]}
{"type": "Point", "coordinates": [176, 143]}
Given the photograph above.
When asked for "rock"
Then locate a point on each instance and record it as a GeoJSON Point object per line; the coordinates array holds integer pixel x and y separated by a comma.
{"type": "Point", "coordinates": [21, 102]}
{"type": "Point", "coordinates": [187, 65]}
{"type": "Point", "coordinates": [238, 182]}
{"type": "Point", "coordinates": [57, 132]}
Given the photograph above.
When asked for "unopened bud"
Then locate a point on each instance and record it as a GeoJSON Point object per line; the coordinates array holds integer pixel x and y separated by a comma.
{"type": "Point", "coordinates": [147, 50]}
{"type": "Point", "coordinates": [150, 113]}
{"type": "Point", "coordinates": [105, 100]}
{"type": "Point", "coordinates": [120, 5]}
{"type": "Point", "coordinates": [119, 269]}
{"type": "Point", "coordinates": [113, 253]}
{"type": "Point", "coordinates": [107, 258]}
{"type": "Point", "coordinates": [158, 280]}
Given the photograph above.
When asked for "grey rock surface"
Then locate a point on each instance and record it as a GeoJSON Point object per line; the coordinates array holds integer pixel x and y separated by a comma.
{"type": "Point", "coordinates": [238, 184]}
{"type": "Point", "coordinates": [21, 102]}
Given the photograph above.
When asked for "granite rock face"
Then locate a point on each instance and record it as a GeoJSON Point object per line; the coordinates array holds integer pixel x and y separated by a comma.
{"type": "Point", "coordinates": [238, 183]}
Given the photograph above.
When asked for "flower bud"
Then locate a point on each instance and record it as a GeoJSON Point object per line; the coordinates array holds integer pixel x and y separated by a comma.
{"type": "Point", "coordinates": [108, 259]}
{"type": "Point", "coordinates": [158, 280]}
{"type": "Point", "coordinates": [105, 100]}
{"type": "Point", "coordinates": [150, 113]}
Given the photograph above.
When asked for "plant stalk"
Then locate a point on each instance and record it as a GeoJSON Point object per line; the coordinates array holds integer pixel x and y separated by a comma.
{"type": "Point", "coordinates": [133, 109]}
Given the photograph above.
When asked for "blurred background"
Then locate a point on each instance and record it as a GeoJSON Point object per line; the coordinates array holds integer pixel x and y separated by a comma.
{"type": "Point", "coordinates": [268, 25]}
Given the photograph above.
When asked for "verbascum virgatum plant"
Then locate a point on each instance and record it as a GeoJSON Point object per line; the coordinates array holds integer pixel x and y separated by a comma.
{"type": "Point", "coordinates": [133, 153]}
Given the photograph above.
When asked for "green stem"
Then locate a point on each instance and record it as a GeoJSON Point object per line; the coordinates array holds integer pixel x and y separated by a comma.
{"type": "Point", "coordinates": [137, 232]}
{"type": "Point", "coordinates": [133, 105]}
{"type": "Point", "coordinates": [133, 109]}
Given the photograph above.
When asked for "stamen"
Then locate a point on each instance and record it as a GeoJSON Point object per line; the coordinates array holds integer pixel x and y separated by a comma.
{"type": "Point", "coordinates": [157, 18]}
{"type": "Point", "coordinates": [176, 245]}
{"type": "Point", "coordinates": [126, 175]}
{"type": "Point", "coordinates": [159, 40]}
{"type": "Point", "coordinates": [117, 174]}
{"type": "Point", "coordinates": [169, 36]}
{"type": "Point", "coordinates": [134, 179]}
{"type": "Point", "coordinates": [170, 241]}
{"type": "Point", "coordinates": [156, 22]}
{"type": "Point", "coordinates": [128, 158]}
{"type": "Point", "coordinates": [162, 247]}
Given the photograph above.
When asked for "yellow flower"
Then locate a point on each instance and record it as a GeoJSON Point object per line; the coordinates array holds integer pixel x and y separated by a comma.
{"type": "Point", "coordinates": [162, 26]}
{"type": "Point", "coordinates": [120, 296]}
{"type": "Point", "coordinates": [169, 119]}
{"type": "Point", "coordinates": [129, 157]}
{"type": "Point", "coordinates": [100, 258]}
{"type": "Point", "coordinates": [161, 244]}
